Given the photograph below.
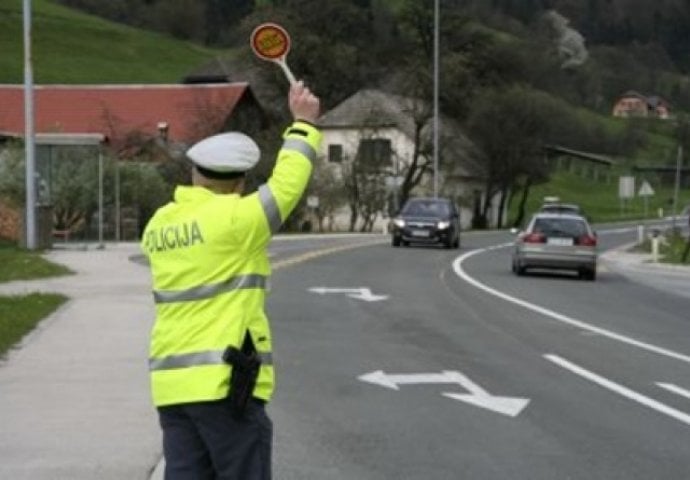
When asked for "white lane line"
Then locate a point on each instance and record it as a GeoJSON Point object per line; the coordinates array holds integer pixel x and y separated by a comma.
{"type": "Point", "coordinates": [459, 271]}
{"type": "Point", "coordinates": [675, 389]}
{"type": "Point", "coordinates": [620, 389]}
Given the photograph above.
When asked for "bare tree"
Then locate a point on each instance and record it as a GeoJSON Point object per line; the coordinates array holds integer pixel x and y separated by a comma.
{"type": "Point", "coordinates": [330, 191]}
{"type": "Point", "coordinates": [364, 173]}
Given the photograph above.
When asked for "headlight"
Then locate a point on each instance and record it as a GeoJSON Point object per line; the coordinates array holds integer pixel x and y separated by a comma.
{"type": "Point", "coordinates": [399, 222]}
{"type": "Point", "coordinates": [443, 225]}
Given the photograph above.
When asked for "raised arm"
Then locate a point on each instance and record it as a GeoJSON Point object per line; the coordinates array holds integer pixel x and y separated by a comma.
{"type": "Point", "coordinates": [301, 143]}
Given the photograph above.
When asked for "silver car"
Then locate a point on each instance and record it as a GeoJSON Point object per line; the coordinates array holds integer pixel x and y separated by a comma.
{"type": "Point", "coordinates": [556, 241]}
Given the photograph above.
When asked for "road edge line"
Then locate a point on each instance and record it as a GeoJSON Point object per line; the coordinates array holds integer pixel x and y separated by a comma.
{"type": "Point", "coordinates": [460, 272]}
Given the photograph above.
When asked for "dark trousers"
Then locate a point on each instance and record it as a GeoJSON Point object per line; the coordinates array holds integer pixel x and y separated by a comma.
{"type": "Point", "coordinates": [203, 441]}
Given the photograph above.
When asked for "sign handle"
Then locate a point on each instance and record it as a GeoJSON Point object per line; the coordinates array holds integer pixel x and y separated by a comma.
{"type": "Point", "coordinates": [286, 71]}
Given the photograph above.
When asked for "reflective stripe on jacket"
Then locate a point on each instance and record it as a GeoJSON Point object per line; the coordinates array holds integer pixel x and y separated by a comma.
{"type": "Point", "coordinates": [210, 272]}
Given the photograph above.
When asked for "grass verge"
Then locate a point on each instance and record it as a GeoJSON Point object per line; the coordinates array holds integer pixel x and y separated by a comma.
{"type": "Point", "coordinates": [19, 264]}
{"type": "Point", "coordinates": [20, 314]}
{"type": "Point", "coordinates": [600, 199]}
{"type": "Point", "coordinates": [671, 249]}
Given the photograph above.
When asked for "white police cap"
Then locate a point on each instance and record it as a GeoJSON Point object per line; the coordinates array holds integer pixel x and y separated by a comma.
{"type": "Point", "coordinates": [225, 153]}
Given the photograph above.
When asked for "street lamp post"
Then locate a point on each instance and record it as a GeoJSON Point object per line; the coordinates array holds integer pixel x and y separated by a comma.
{"type": "Point", "coordinates": [436, 93]}
{"type": "Point", "coordinates": [29, 134]}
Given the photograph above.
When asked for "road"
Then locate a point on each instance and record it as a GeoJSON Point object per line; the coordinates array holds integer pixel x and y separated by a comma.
{"type": "Point", "coordinates": [426, 363]}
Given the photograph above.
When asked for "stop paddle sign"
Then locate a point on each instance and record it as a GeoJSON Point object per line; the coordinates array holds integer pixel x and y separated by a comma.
{"type": "Point", "coordinates": [271, 42]}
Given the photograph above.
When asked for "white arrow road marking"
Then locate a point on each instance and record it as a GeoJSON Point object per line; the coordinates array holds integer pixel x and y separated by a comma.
{"type": "Point", "coordinates": [620, 389]}
{"type": "Point", "coordinates": [481, 398]}
{"type": "Point", "coordinates": [361, 293]}
{"type": "Point", "coordinates": [675, 389]}
{"type": "Point", "coordinates": [381, 378]}
{"type": "Point", "coordinates": [478, 396]}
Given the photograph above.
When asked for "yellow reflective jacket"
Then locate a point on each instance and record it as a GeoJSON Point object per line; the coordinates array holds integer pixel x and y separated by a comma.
{"type": "Point", "coordinates": [210, 271]}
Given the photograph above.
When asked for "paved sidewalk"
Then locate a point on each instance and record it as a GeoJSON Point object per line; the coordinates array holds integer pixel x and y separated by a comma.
{"type": "Point", "coordinates": [640, 268]}
{"type": "Point", "coordinates": [74, 399]}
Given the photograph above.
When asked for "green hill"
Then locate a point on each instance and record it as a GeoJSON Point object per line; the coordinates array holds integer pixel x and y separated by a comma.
{"type": "Point", "coordinates": [73, 47]}
{"type": "Point", "coordinates": [599, 199]}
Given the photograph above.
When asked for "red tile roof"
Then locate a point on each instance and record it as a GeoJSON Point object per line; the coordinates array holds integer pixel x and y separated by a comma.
{"type": "Point", "coordinates": [191, 111]}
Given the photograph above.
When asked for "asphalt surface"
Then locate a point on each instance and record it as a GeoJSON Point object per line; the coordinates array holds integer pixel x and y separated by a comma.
{"type": "Point", "coordinates": [74, 394]}
{"type": "Point", "coordinates": [74, 399]}
{"type": "Point", "coordinates": [587, 355]}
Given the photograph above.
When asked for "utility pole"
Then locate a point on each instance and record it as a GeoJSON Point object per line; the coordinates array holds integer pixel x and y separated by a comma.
{"type": "Point", "coordinates": [436, 93]}
{"type": "Point", "coordinates": [29, 137]}
{"type": "Point", "coordinates": [676, 188]}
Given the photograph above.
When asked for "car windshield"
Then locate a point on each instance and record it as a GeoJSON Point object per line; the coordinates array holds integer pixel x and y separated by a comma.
{"type": "Point", "coordinates": [426, 208]}
{"type": "Point", "coordinates": [564, 227]}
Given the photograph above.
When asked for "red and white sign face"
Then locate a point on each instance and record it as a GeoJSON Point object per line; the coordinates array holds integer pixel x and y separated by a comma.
{"type": "Point", "coordinates": [270, 41]}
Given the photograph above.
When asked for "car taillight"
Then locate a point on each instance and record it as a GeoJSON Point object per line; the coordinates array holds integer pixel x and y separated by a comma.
{"type": "Point", "coordinates": [587, 241]}
{"type": "Point", "coordinates": [534, 238]}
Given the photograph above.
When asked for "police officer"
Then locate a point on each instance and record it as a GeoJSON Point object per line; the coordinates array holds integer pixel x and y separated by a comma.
{"type": "Point", "coordinates": [210, 354]}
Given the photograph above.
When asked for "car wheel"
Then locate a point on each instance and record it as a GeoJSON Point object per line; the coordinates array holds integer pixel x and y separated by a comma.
{"type": "Point", "coordinates": [519, 269]}
{"type": "Point", "coordinates": [589, 274]}
{"type": "Point", "coordinates": [456, 244]}
{"type": "Point", "coordinates": [395, 242]}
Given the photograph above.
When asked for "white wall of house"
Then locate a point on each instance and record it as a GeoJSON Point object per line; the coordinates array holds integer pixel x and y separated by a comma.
{"type": "Point", "coordinates": [349, 139]}
{"type": "Point", "coordinates": [403, 150]}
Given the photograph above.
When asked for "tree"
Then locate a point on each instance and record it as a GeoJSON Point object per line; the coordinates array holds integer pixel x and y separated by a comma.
{"type": "Point", "coordinates": [12, 175]}
{"type": "Point", "coordinates": [511, 127]}
{"type": "Point", "coordinates": [143, 189]}
{"type": "Point", "coordinates": [329, 189]}
{"type": "Point", "coordinates": [73, 188]}
{"type": "Point", "coordinates": [363, 178]}
{"type": "Point", "coordinates": [222, 16]}
{"type": "Point", "coordinates": [182, 19]}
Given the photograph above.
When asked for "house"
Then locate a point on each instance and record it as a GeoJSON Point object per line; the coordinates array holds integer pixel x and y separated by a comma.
{"type": "Point", "coordinates": [380, 128]}
{"type": "Point", "coordinates": [179, 113]}
{"type": "Point", "coordinates": [160, 120]}
{"type": "Point", "coordinates": [634, 104]}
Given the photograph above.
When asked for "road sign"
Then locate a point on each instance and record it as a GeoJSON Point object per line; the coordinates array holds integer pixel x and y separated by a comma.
{"type": "Point", "coordinates": [646, 189]}
{"type": "Point", "coordinates": [477, 396]}
{"type": "Point", "coordinates": [312, 201]}
{"type": "Point", "coordinates": [626, 187]}
{"type": "Point", "coordinates": [271, 42]}
{"type": "Point", "coordinates": [361, 293]}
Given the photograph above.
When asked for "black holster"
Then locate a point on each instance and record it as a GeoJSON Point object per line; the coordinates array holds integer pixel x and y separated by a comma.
{"type": "Point", "coordinates": [245, 370]}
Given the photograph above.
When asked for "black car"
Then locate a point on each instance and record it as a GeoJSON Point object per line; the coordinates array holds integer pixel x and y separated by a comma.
{"type": "Point", "coordinates": [429, 221]}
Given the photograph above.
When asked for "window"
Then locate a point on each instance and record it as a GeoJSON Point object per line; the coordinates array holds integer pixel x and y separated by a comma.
{"type": "Point", "coordinates": [335, 153]}
{"type": "Point", "coordinates": [375, 152]}
{"type": "Point", "coordinates": [560, 227]}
